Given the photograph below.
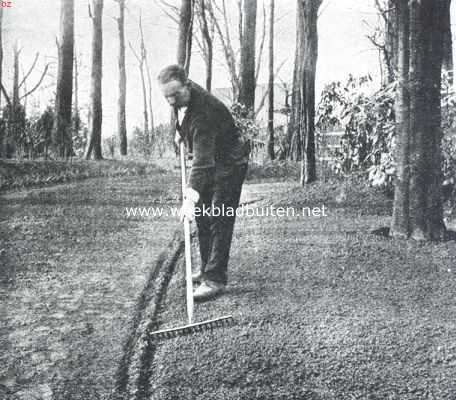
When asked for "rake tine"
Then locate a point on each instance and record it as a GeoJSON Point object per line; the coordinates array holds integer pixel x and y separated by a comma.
{"type": "Point", "coordinates": [208, 325]}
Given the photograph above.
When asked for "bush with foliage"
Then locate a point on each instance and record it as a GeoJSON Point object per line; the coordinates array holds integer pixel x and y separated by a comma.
{"type": "Point", "coordinates": [367, 118]}
{"type": "Point", "coordinates": [160, 141]}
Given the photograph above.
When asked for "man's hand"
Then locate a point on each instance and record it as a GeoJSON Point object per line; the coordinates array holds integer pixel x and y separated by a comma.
{"type": "Point", "coordinates": [191, 197]}
{"type": "Point", "coordinates": [177, 139]}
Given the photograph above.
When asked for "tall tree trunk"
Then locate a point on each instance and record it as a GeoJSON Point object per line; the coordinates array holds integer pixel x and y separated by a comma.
{"type": "Point", "coordinates": [13, 131]}
{"type": "Point", "coordinates": [308, 42]}
{"type": "Point", "coordinates": [293, 146]}
{"type": "Point", "coordinates": [391, 42]}
{"type": "Point", "coordinates": [425, 211]}
{"type": "Point", "coordinates": [184, 44]}
{"type": "Point", "coordinates": [2, 123]}
{"type": "Point", "coordinates": [271, 84]}
{"type": "Point", "coordinates": [208, 45]}
{"type": "Point", "coordinates": [400, 220]}
{"type": "Point", "coordinates": [447, 39]}
{"type": "Point", "coordinates": [142, 62]}
{"type": "Point", "coordinates": [96, 110]}
{"type": "Point", "coordinates": [247, 67]}
{"type": "Point", "coordinates": [121, 115]}
{"type": "Point", "coordinates": [62, 138]}
{"type": "Point", "coordinates": [76, 115]}
{"type": "Point", "coordinates": [1, 56]}
{"type": "Point", "coordinates": [149, 88]}
{"type": "Point", "coordinates": [16, 75]}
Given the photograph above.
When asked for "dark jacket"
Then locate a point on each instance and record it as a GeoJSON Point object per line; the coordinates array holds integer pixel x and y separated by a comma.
{"type": "Point", "coordinates": [212, 136]}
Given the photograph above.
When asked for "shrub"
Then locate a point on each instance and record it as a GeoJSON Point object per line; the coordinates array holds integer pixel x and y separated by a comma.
{"type": "Point", "coordinates": [368, 120]}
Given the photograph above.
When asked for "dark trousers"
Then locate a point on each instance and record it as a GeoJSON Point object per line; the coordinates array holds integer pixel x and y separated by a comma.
{"type": "Point", "coordinates": [215, 232]}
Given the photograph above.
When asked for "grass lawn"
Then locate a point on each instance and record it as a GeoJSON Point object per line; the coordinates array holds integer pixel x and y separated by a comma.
{"type": "Point", "coordinates": [324, 309]}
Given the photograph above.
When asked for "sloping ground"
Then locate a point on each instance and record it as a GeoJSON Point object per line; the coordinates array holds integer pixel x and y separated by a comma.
{"type": "Point", "coordinates": [324, 310]}
{"type": "Point", "coordinates": [73, 266]}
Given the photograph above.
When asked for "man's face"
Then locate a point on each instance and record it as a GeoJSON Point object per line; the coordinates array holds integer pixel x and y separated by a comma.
{"type": "Point", "coordinates": [176, 93]}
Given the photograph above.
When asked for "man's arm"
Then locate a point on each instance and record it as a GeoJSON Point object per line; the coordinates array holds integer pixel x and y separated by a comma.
{"type": "Point", "coordinates": [203, 167]}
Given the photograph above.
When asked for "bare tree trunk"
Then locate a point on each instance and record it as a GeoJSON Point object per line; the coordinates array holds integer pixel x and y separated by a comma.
{"type": "Point", "coordinates": [271, 84]}
{"type": "Point", "coordinates": [293, 151]}
{"type": "Point", "coordinates": [96, 110]}
{"type": "Point", "coordinates": [447, 39]}
{"type": "Point", "coordinates": [76, 114]}
{"type": "Point", "coordinates": [3, 125]}
{"type": "Point", "coordinates": [184, 44]}
{"type": "Point", "coordinates": [13, 131]}
{"type": "Point", "coordinates": [121, 116]}
{"type": "Point", "coordinates": [1, 58]}
{"type": "Point", "coordinates": [207, 38]}
{"type": "Point", "coordinates": [62, 140]}
{"type": "Point", "coordinates": [247, 67]}
{"type": "Point", "coordinates": [228, 51]}
{"type": "Point", "coordinates": [425, 158]}
{"type": "Point", "coordinates": [400, 221]}
{"type": "Point", "coordinates": [308, 42]}
{"type": "Point", "coordinates": [391, 42]}
{"type": "Point", "coordinates": [76, 86]}
{"type": "Point", "coordinates": [149, 88]}
{"type": "Point", "coordinates": [16, 76]}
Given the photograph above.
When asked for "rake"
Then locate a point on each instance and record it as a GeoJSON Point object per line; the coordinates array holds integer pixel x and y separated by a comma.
{"type": "Point", "coordinates": [191, 327]}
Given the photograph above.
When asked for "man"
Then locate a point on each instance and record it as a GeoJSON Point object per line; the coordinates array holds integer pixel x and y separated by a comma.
{"type": "Point", "coordinates": [220, 158]}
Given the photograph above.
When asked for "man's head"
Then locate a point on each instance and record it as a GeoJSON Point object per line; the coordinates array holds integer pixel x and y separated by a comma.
{"type": "Point", "coordinates": [174, 85]}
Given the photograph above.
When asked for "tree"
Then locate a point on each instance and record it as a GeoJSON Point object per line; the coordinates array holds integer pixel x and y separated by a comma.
{"type": "Point", "coordinates": [418, 210]}
{"type": "Point", "coordinates": [302, 120]}
{"type": "Point", "coordinates": [247, 67]}
{"type": "Point", "coordinates": [2, 127]}
{"type": "Point", "coordinates": [1, 60]}
{"type": "Point", "coordinates": [141, 57]}
{"type": "Point", "coordinates": [271, 84]}
{"type": "Point", "coordinates": [62, 138]}
{"type": "Point", "coordinates": [207, 36]}
{"type": "Point", "coordinates": [447, 39]}
{"type": "Point", "coordinates": [121, 115]}
{"type": "Point", "coordinates": [96, 110]}
{"type": "Point", "coordinates": [385, 39]}
{"type": "Point", "coordinates": [184, 44]}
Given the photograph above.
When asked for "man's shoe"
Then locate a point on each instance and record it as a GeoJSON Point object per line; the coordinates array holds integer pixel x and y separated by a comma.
{"type": "Point", "coordinates": [197, 276]}
{"type": "Point", "coordinates": [208, 290]}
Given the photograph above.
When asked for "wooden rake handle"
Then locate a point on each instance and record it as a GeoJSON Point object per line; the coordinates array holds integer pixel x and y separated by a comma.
{"type": "Point", "coordinates": [187, 241]}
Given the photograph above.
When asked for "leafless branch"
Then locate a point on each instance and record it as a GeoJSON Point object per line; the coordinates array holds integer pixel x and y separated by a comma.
{"type": "Point", "coordinates": [226, 45]}
{"type": "Point", "coordinates": [5, 94]}
{"type": "Point", "coordinates": [38, 84]}
{"type": "Point", "coordinates": [169, 10]}
{"type": "Point", "coordinates": [260, 52]}
{"type": "Point", "coordinates": [266, 92]}
{"type": "Point", "coordinates": [30, 70]}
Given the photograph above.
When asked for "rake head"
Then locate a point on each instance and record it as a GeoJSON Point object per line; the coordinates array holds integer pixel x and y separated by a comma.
{"type": "Point", "coordinates": [189, 329]}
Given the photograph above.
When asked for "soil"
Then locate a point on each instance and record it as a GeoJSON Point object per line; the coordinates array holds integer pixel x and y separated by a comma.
{"type": "Point", "coordinates": [323, 308]}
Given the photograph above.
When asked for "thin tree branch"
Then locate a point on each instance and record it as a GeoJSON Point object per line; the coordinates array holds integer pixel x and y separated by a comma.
{"type": "Point", "coordinates": [260, 52]}
{"type": "Point", "coordinates": [5, 94]}
{"type": "Point", "coordinates": [37, 85]}
{"type": "Point", "coordinates": [30, 70]}
{"type": "Point", "coordinates": [266, 92]}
